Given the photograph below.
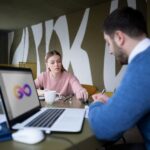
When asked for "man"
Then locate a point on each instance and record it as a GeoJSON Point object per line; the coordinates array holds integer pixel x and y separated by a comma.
{"type": "Point", "coordinates": [126, 35]}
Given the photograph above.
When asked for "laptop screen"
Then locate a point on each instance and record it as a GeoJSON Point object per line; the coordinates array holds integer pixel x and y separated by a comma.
{"type": "Point", "coordinates": [18, 91]}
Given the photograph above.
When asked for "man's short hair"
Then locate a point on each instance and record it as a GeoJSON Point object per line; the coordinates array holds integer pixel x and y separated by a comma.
{"type": "Point", "coordinates": [128, 20]}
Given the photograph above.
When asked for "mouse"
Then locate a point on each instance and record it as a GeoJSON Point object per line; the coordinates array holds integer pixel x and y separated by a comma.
{"type": "Point", "coordinates": [28, 135]}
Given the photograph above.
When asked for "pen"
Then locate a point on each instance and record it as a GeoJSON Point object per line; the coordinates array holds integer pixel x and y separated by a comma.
{"type": "Point", "coordinates": [68, 97]}
{"type": "Point", "coordinates": [103, 91]}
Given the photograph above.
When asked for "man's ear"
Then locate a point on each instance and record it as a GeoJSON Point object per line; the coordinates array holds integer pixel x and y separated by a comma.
{"type": "Point", "coordinates": [119, 38]}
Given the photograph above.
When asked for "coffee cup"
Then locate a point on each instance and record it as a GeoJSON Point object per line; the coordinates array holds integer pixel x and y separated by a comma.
{"type": "Point", "coordinates": [50, 96]}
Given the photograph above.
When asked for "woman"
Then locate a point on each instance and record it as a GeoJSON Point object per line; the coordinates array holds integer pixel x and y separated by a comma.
{"type": "Point", "coordinates": [57, 78]}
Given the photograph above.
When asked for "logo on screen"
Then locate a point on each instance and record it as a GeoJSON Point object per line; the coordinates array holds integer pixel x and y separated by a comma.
{"type": "Point", "coordinates": [20, 92]}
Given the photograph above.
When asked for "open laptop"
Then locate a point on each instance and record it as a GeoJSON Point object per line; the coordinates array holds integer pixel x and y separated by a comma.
{"type": "Point", "coordinates": [21, 104]}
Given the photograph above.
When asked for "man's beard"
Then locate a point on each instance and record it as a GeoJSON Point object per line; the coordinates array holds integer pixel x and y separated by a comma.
{"type": "Point", "coordinates": [120, 56]}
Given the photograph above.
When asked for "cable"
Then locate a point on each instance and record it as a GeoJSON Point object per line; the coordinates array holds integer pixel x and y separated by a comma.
{"type": "Point", "coordinates": [75, 147]}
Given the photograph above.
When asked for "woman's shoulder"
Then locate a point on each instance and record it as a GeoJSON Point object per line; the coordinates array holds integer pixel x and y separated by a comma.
{"type": "Point", "coordinates": [43, 74]}
{"type": "Point", "coordinates": [68, 74]}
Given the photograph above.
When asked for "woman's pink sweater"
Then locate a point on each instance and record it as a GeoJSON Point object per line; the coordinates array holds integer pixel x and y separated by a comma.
{"type": "Point", "coordinates": [65, 84]}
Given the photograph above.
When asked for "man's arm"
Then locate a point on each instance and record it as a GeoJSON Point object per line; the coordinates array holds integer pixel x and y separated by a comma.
{"type": "Point", "coordinates": [124, 109]}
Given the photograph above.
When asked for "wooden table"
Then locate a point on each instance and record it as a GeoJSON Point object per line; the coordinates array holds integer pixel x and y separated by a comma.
{"type": "Point", "coordinates": [70, 103]}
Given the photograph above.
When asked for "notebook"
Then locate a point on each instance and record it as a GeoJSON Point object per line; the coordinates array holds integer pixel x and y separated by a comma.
{"type": "Point", "coordinates": [22, 105]}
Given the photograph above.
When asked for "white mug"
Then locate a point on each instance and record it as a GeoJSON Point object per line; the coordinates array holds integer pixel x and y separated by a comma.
{"type": "Point", "coordinates": [50, 96]}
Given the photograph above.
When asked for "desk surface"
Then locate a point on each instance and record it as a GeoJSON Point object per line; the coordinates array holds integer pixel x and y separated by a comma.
{"type": "Point", "coordinates": [61, 141]}
{"type": "Point", "coordinates": [70, 103]}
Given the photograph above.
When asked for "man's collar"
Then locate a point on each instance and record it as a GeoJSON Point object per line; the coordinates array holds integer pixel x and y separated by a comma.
{"type": "Point", "coordinates": [140, 47]}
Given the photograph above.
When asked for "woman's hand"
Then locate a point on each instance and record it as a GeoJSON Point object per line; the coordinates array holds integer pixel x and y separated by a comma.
{"type": "Point", "coordinates": [100, 97]}
{"type": "Point", "coordinates": [82, 94]}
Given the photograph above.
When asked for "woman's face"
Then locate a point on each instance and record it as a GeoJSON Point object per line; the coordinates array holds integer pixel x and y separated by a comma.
{"type": "Point", "coordinates": [54, 64]}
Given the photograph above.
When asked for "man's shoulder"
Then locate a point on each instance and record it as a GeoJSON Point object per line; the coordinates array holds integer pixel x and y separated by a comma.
{"type": "Point", "coordinates": [143, 57]}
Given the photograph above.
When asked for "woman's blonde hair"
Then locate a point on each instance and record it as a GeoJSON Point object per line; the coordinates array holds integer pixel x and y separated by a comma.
{"type": "Point", "coordinates": [50, 54]}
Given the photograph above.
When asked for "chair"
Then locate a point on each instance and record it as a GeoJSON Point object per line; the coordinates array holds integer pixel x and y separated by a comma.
{"type": "Point", "coordinates": [91, 89]}
{"type": "Point", "coordinates": [109, 94]}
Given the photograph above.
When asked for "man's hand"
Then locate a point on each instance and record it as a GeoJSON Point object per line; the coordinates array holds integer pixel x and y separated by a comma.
{"type": "Point", "coordinates": [100, 97]}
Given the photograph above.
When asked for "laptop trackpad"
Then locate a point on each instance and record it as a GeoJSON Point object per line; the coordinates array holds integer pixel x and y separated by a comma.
{"type": "Point", "coordinates": [70, 121]}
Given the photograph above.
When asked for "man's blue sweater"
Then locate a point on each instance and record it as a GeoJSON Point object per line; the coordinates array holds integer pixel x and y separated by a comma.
{"type": "Point", "coordinates": [129, 106]}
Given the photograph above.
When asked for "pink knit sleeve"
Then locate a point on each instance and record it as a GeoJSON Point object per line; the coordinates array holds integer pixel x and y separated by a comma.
{"type": "Point", "coordinates": [39, 81]}
{"type": "Point", "coordinates": [75, 84]}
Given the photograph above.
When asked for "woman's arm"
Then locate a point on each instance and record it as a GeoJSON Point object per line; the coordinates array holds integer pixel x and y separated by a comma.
{"type": "Point", "coordinates": [39, 81]}
{"type": "Point", "coordinates": [79, 91]}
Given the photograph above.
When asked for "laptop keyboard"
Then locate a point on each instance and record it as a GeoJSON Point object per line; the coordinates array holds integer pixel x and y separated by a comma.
{"type": "Point", "coordinates": [46, 119]}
